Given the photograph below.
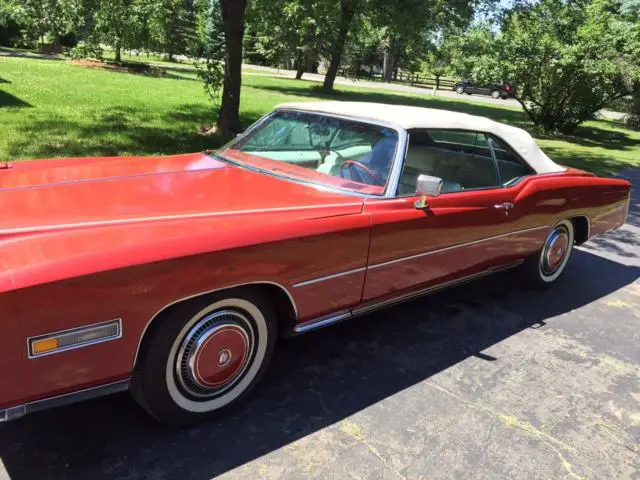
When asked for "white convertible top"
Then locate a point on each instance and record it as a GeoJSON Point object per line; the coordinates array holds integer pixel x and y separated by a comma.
{"type": "Point", "coordinates": [408, 117]}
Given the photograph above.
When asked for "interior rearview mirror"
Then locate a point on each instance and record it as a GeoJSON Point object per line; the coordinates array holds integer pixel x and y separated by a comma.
{"type": "Point", "coordinates": [427, 186]}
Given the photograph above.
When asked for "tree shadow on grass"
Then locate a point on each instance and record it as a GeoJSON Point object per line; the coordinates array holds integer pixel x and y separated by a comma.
{"type": "Point", "coordinates": [8, 100]}
{"type": "Point", "coordinates": [32, 54]}
{"type": "Point", "coordinates": [314, 381]}
{"type": "Point", "coordinates": [119, 131]}
{"type": "Point", "coordinates": [600, 164]}
{"type": "Point", "coordinates": [590, 136]}
{"type": "Point", "coordinates": [138, 68]}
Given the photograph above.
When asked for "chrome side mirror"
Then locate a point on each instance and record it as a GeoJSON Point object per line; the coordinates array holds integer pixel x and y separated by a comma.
{"type": "Point", "coordinates": [427, 186]}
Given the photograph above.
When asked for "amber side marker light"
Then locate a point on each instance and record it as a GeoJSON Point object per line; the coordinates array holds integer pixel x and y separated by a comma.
{"type": "Point", "coordinates": [74, 338]}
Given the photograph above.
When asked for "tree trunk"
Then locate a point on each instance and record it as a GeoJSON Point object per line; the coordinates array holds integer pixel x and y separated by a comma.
{"type": "Point", "coordinates": [118, 52]}
{"type": "Point", "coordinates": [233, 25]}
{"type": "Point", "coordinates": [300, 66]}
{"type": "Point", "coordinates": [387, 65]}
{"type": "Point", "coordinates": [347, 12]}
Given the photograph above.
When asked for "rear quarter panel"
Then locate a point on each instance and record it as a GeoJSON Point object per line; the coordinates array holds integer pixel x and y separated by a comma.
{"type": "Point", "coordinates": [550, 198]}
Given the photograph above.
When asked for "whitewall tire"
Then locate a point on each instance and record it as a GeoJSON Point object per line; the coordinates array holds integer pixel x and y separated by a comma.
{"type": "Point", "coordinates": [547, 265]}
{"type": "Point", "coordinates": [204, 356]}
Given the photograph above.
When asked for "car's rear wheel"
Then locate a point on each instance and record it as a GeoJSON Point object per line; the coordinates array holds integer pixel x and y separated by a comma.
{"type": "Point", "coordinates": [495, 94]}
{"type": "Point", "coordinates": [543, 268]}
{"type": "Point", "coordinates": [459, 89]}
{"type": "Point", "coordinates": [204, 356]}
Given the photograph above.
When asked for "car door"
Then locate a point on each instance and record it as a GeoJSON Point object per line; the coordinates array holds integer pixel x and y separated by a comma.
{"type": "Point", "coordinates": [466, 231]}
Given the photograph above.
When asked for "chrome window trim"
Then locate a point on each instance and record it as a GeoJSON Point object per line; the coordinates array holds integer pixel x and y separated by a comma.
{"type": "Point", "coordinates": [207, 292]}
{"type": "Point", "coordinates": [116, 321]}
{"type": "Point", "coordinates": [328, 277]}
{"type": "Point", "coordinates": [396, 164]}
{"type": "Point", "coordinates": [493, 156]}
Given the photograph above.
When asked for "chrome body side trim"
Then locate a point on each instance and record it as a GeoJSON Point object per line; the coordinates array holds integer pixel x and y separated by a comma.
{"type": "Point", "coordinates": [71, 331]}
{"type": "Point", "coordinates": [440, 250]}
{"type": "Point", "coordinates": [18, 411]}
{"type": "Point", "coordinates": [323, 321]}
{"type": "Point", "coordinates": [320, 322]}
{"type": "Point", "coordinates": [412, 257]}
{"type": "Point", "coordinates": [328, 277]}
{"type": "Point", "coordinates": [433, 288]}
{"type": "Point", "coordinates": [186, 216]}
{"type": "Point", "coordinates": [265, 282]}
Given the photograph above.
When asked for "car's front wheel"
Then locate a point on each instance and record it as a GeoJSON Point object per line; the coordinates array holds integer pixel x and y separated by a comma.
{"type": "Point", "coordinates": [459, 89]}
{"type": "Point", "coordinates": [495, 94]}
{"type": "Point", "coordinates": [543, 268]}
{"type": "Point", "coordinates": [204, 355]}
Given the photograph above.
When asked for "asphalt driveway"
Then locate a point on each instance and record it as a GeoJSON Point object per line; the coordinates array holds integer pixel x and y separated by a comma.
{"type": "Point", "coordinates": [483, 381]}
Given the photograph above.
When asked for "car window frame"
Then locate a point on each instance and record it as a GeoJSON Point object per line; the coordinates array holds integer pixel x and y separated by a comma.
{"type": "Point", "coordinates": [466, 130]}
{"type": "Point", "coordinates": [517, 155]}
{"type": "Point", "coordinates": [394, 172]}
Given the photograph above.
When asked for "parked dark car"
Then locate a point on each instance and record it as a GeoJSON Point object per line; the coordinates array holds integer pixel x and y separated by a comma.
{"type": "Point", "coordinates": [495, 90]}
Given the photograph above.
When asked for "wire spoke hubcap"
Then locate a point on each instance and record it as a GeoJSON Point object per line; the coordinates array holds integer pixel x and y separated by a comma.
{"type": "Point", "coordinates": [215, 353]}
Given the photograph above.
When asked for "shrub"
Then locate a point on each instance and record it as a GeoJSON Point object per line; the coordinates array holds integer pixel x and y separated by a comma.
{"type": "Point", "coordinates": [86, 50]}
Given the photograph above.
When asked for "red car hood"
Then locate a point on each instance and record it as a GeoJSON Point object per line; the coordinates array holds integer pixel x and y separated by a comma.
{"type": "Point", "coordinates": [68, 193]}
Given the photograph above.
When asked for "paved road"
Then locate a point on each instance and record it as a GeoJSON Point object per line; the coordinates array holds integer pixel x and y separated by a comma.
{"type": "Point", "coordinates": [485, 381]}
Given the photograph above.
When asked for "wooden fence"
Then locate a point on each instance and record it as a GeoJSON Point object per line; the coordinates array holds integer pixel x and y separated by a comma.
{"type": "Point", "coordinates": [414, 79]}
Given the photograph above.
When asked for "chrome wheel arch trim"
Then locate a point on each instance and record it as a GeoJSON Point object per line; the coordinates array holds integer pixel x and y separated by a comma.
{"type": "Point", "coordinates": [208, 292]}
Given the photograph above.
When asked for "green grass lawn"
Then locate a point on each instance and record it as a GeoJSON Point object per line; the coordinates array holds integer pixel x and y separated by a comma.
{"type": "Point", "coordinates": [52, 108]}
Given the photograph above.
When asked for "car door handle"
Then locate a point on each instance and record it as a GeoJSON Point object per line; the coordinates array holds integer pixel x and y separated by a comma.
{"type": "Point", "coordinates": [504, 206]}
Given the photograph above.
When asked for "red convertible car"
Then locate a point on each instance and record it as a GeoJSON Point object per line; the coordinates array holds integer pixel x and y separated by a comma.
{"type": "Point", "coordinates": [173, 276]}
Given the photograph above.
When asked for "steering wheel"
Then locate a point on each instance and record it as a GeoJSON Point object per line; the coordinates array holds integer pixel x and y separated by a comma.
{"type": "Point", "coordinates": [366, 169]}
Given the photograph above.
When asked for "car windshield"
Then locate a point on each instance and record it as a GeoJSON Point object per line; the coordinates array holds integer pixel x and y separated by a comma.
{"type": "Point", "coordinates": [320, 149]}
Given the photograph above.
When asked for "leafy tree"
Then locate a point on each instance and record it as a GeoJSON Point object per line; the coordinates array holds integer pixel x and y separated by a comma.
{"type": "Point", "coordinates": [630, 8]}
{"type": "Point", "coordinates": [288, 30]}
{"type": "Point", "coordinates": [113, 24]}
{"type": "Point", "coordinates": [364, 50]}
{"type": "Point", "coordinates": [410, 25]}
{"type": "Point", "coordinates": [630, 11]}
{"type": "Point", "coordinates": [347, 12]}
{"type": "Point", "coordinates": [42, 17]}
{"type": "Point", "coordinates": [211, 38]}
{"type": "Point", "coordinates": [567, 59]}
{"type": "Point", "coordinates": [473, 54]}
{"type": "Point", "coordinates": [173, 26]}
